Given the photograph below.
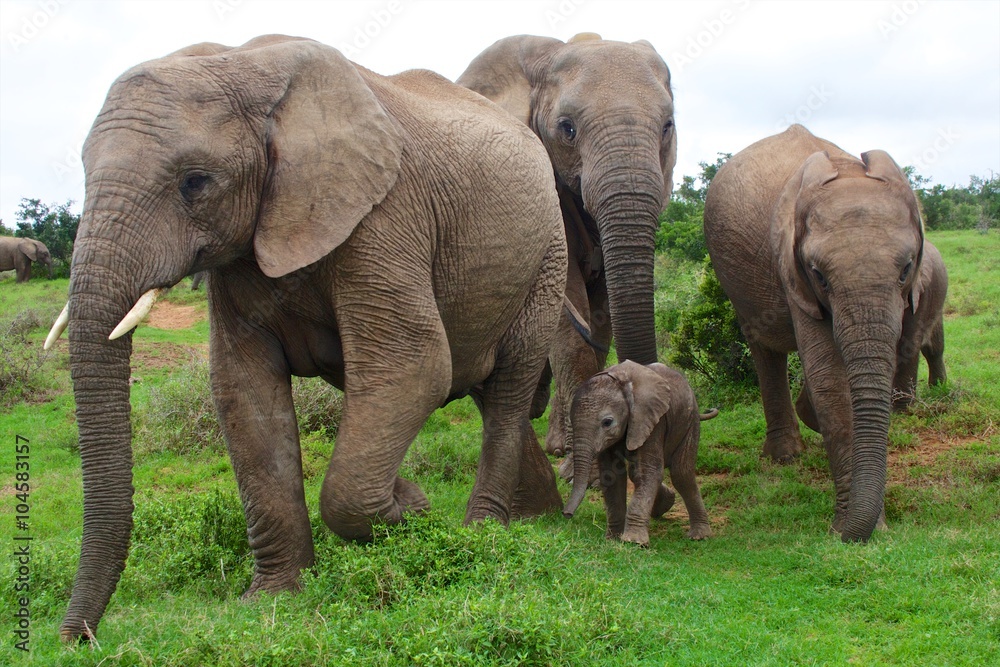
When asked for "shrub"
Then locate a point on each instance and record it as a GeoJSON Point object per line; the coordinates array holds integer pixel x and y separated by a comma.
{"type": "Point", "coordinates": [709, 340]}
{"type": "Point", "coordinates": [21, 360]}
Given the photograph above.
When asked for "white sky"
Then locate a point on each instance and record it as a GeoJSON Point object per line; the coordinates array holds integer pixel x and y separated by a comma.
{"type": "Point", "coordinates": [918, 79]}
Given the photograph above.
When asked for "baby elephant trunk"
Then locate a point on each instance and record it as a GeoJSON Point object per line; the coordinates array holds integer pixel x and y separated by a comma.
{"type": "Point", "coordinates": [582, 458]}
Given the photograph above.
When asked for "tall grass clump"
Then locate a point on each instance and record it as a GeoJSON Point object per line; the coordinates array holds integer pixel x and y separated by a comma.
{"type": "Point", "coordinates": [21, 359]}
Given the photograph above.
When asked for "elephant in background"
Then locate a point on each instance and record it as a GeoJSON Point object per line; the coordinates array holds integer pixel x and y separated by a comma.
{"type": "Point", "coordinates": [398, 236]}
{"type": "Point", "coordinates": [821, 253]}
{"type": "Point", "coordinates": [605, 112]}
{"type": "Point", "coordinates": [17, 254]}
{"type": "Point", "coordinates": [638, 419]}
{"type": "Point", "coordinates": [923, 331]}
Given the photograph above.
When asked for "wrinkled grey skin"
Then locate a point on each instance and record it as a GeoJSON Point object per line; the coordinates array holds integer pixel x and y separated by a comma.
{"type": "Point", "coordinates": [638, 419]}
{"type": "Point", "coordinates": [820, 252]}
{"type": "Point", "coordinates": [398, 236]}
{"type": "Point", "coordinates": [923, 332]}
{"type": "Point", "coordinates": [17, 254]}
{"type": "Point", "coordinates": [605, 112]}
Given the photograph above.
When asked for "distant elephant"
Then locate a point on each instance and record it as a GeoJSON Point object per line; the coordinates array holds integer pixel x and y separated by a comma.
{"type": "Point", "coordinates": [638, 419]}
{"type": "Point", "coordinates": [923, 331]}
{"type": "Point", "coordinates": [605, 112]}
{"type": "Point", "coordinates": [820, 252]}
{"type": "Point", "coordinates": [17, 254]}
{"type": "Point", "coordinates": [398, 236]}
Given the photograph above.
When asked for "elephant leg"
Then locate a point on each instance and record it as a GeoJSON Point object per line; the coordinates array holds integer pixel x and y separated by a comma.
{"type": "Point", "coordinates": [684, 479]}
{"type": "Point", "coordinates": [394, 378]}
{"type": "Point", "coordinates": [614, 485]}
{"type": "Point", "coordinates": [647, 477]}
{"type": "Point", "coordinates": [572, 360]}
{"type": "Point", "coordinates": [826, 377]}
{"type": "Point", "coordinates": [783, 441]}
{"type": "Point", "coordinates": [509, 442]}
{"type": "Point", "coordinates": [904, 382]}
{"type": "Point", "coordinates": [252, 390]}
{"type": "Point", "coordinates": [665, 499]}
{"type": "Point", "coordinates": [933, 351]}
{"type": "Point", "coordinates": [805, 410]}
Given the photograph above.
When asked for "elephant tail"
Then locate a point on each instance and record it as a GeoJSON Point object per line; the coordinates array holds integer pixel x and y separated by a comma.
{"type": "Point", "coordinates": [711, 414]}
{"type": "Point", "coordinates": [581, 326]}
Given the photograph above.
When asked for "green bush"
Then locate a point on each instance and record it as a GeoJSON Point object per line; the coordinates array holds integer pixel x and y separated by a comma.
{"type": "Point", "coordinates": [21, 359]}
{"type": "Point", "coordinates": [708, 339]}
{"type": "Point", "coordinates": [180, 414]}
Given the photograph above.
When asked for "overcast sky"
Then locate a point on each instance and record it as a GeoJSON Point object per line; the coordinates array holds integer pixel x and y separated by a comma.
{"type": "Point", "coordinates": [920, 80]}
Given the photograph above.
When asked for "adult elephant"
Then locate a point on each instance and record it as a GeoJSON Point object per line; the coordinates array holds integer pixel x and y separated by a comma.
{"type": "Point", "coordinates": [605, 113]}
{"type": "Point", "coordinates": [820, 252]}
{"type": "Point", "coordinates": [17, 254]}
{"type": "Point", "coordinates": [398, 236]}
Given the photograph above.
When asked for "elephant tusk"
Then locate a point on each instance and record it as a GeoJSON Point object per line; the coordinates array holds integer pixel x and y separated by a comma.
{"type": "Point", "coordinates": [57, 328]}
{"type": "Point", "coordinates": [139, 311]}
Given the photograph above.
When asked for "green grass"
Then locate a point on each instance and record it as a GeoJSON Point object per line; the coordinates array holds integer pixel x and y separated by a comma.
{"type": "Point", "coordinates": [771, 587]}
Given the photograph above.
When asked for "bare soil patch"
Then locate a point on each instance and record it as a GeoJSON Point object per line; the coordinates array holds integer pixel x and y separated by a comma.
{"type": "Point", "coordinates": [166, 315]}
{"type": "Point", "coordinates": [147, 355]}
{"type": "Point", "coordinates": [931, 447]}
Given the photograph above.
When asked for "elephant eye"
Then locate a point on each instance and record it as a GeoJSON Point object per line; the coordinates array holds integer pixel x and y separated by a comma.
{"type": "Point", "coordinates": [668, 127]}
{"type": "Point", "coordinates": [820, 278]}
{"type": "Point", "coordinates": [608, 422]}
{"type": "Point", "coordinates": [906, 272]}
{"type": "Point", "coordinates": [193, 184]}
{"type": "Point", "coordinates": [566, 128]}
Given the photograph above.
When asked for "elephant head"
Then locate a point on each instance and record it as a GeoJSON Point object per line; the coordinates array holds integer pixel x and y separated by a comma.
{"type": "Point", "coordinates": [196, 160]}
{"type": "Point", "coordinates": [848, 240]}
{"type": "Point", "coordinates": [605, 113]}
{"type": "Point", "coordinates": [36, 251]}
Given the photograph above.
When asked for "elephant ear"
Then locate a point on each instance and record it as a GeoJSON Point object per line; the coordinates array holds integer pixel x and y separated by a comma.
{"type": "Point", "coordinates": [506, 72]}
{"type": "Point", "coordinates": [333, 155]}
{"type": "Point", "coordinates": [880, 166]}
{"type": "Point", "coordinates": [29, 249]}
{"type": "Point", "coordinates": [648, 397]}
{"type": "Point", "coordinates": [788, 227]}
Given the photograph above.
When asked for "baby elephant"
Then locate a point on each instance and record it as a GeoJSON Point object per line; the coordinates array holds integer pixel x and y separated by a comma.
{"type": "Point", "coordinates": [638, 419]}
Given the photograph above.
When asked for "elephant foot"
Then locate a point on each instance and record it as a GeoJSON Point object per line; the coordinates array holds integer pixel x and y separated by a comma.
{"type": "Point", "coordinates": [699, 531]}
{"type": "Point", "coordinates": [536, 493]}
{"type": "Point", "coordinates": [783, 449]}
{"type": "Point", "coordinates": [664, 501]}
{"type": "Point", "coordinates": [636, 535]}
{"type": "Point", "coordinates": [555, 440]}
{"type": "Point", "coordinates": [271, 583]}
{"type": "Point", "coordinates": [409, 496]}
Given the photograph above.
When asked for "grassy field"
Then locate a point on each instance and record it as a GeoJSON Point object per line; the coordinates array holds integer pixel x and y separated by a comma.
{"type": "Point", "coordinates": [771, 587]}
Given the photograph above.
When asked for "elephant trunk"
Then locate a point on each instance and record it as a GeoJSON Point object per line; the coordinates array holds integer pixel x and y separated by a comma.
{"type": "Point", "coordinates": [626, 203]}
{"type": "Point", "coordinates": [869, 349]}
{"type": "Point", "coordinates": [582, 460]}
{"type": "Point", "coordinates": [102, 289]}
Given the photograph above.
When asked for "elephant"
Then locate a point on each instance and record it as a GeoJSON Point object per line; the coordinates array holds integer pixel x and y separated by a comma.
{"type": "Point", "coordinates": [17, 254]}
{"type": "Point", "coordinates": [605, 112]}
{"type": "Point", "coordinates": [923, 331]}
{"type": "Point", "coordinates": [398, 236]}
{"type": "Point", "coordinates": [820, 252]}
{"type": "Point", "coordinates": [196, 280]}
{"type": "Point", "coordinates": [638, 419]}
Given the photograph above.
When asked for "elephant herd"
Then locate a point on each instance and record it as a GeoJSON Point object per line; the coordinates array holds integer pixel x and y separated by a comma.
{"type": "Point", "coordinates": [413, 240]}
